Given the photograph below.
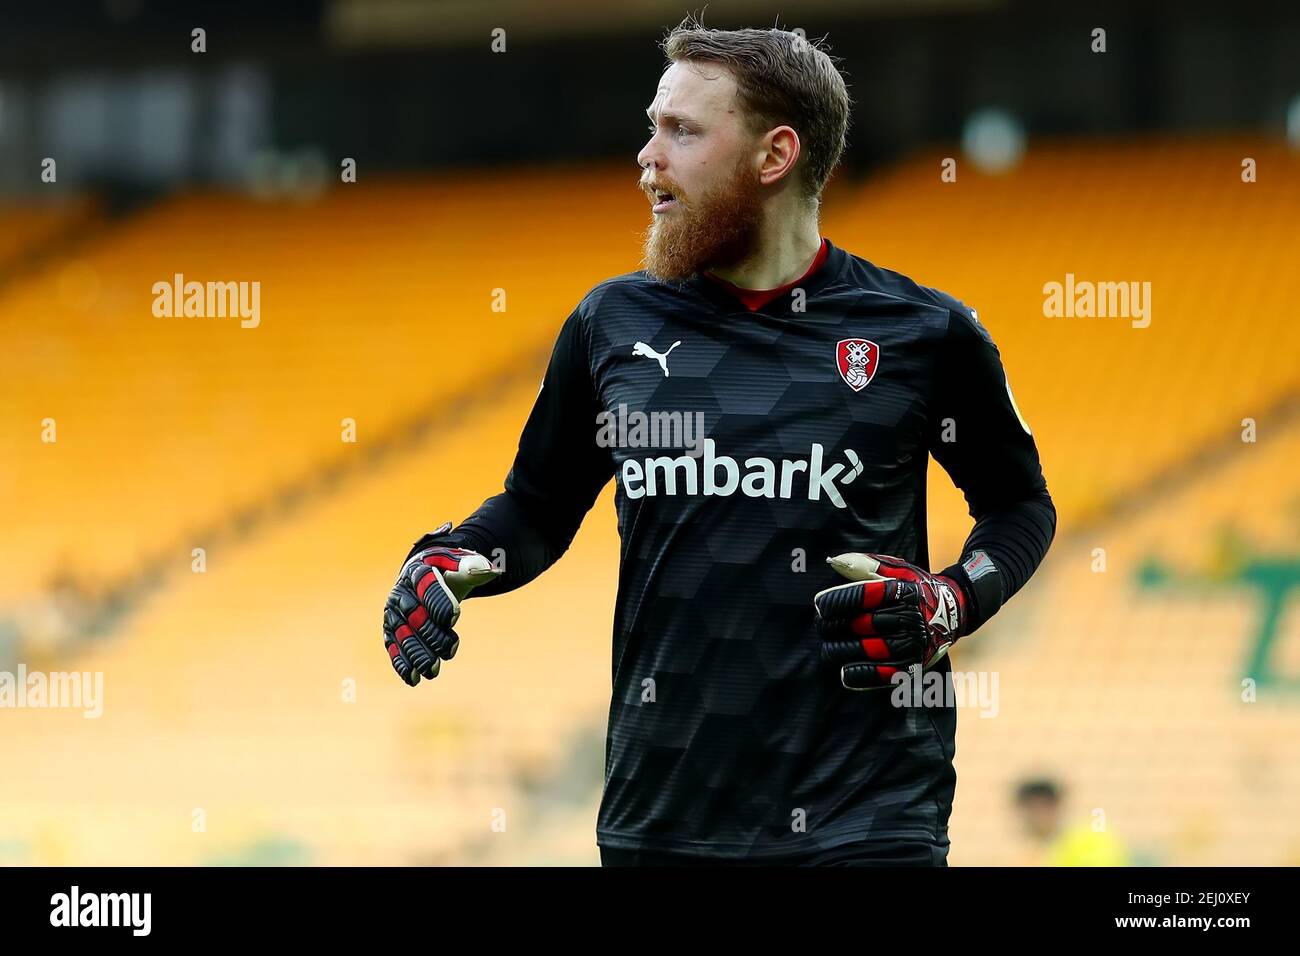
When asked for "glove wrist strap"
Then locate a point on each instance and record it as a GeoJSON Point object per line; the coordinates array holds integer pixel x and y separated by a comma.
{"type": "Point", "coordinates": [444, 536]}
{"type": "Point", "coordinates": [981, 583]}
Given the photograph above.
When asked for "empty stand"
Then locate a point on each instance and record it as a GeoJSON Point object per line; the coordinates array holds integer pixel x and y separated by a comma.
{"type": "Point", "coordinates": [258, 693]}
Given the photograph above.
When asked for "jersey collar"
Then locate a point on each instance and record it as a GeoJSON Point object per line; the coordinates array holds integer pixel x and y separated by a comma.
{"type": "Point", "coordinates": [825, 267]}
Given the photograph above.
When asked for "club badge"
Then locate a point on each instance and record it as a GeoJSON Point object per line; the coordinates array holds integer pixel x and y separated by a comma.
{"type": "Point", "coordinates": [857, 360]}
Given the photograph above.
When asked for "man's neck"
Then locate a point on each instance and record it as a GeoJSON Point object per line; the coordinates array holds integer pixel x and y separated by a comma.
{"type": "Point", "coordinates": [782, 255]}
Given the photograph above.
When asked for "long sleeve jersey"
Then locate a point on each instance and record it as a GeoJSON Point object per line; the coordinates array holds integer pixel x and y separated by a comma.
{"type": "Point", "coordinates": [748, 446]}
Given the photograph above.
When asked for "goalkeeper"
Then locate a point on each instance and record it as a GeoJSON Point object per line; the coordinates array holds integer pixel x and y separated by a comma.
{"type": "Point", "coordinates": [825, 384]}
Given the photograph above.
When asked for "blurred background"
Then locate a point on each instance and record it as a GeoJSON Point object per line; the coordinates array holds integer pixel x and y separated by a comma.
{"type": "Point", "coordinates": [206, 514]}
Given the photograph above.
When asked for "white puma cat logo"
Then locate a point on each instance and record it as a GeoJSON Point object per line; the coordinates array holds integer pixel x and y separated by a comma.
{"type": "Point", "coordinates": [642, 349]}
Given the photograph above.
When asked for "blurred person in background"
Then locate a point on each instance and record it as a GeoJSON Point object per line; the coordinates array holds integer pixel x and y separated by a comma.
{"type": "Point", "coordinates": [1052, 842]}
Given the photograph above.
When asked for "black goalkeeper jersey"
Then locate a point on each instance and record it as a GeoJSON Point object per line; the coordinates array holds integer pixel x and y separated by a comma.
{"type": "Point", "coordinates": [728, 736]}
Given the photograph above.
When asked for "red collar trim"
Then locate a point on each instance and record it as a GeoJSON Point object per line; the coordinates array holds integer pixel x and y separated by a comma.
{"type": "Point", "coordinates": [755, 299]}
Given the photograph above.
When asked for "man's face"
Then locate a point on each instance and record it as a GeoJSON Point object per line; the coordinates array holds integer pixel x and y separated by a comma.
{"type": "Point", "coordinates": [1040, 817]}
{"type": "Point", "coordinates": [700, 173]}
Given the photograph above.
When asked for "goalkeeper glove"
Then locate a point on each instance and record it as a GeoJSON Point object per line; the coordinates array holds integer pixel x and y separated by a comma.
{"type": "Point", "coordinates": [892, 616]}
{"type": "Point", "coordinates": [425, 604]}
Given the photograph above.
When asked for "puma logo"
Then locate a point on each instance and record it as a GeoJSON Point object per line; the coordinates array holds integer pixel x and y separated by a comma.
{"type": "Point", "coordinates": [662, 358]}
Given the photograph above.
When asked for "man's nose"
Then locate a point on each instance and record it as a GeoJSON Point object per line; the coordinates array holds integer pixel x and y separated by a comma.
{"type": "Point", "coordinates": [649, 156]}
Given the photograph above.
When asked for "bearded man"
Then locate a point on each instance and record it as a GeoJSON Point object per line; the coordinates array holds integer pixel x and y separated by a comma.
{"type": "Point", "coordinates": [781, 727]}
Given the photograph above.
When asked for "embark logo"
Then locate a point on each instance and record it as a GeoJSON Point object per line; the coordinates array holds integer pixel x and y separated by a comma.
{"type": "Point", "coordinates": [75, 908]}
{"type": "Point", "coordinates": [720, 475]}
{"type": "Point", "coordinates": [211, 300]}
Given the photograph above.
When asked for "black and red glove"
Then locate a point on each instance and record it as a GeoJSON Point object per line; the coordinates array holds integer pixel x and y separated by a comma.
{"type": "Point", "coordinates": [890, 617]}
{"type": "Point", "coordinates": [425, 604]}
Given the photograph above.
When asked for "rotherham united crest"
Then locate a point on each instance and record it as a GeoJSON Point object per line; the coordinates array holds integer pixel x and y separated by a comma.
{"type": "Point", "coordinates": [857, 360]}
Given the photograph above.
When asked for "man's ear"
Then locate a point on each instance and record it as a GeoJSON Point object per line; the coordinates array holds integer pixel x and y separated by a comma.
{"type": "Point", "coordinates": [781, 155]}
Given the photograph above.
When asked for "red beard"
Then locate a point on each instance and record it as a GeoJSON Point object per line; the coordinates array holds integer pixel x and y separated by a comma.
{"type": "Point", "coordinates": [715, 231]}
